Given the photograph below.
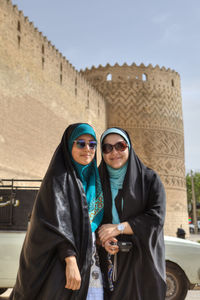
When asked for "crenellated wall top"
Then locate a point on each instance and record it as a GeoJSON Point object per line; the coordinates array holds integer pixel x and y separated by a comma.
{"type": "Point", "coordinates": [133, 66]}
{"type": "Point", "coordinates": [96, 75]}
{"type": "Point", "coordinates": [127, 73]}
{"type": "Point", "coordinates": [29, 25]}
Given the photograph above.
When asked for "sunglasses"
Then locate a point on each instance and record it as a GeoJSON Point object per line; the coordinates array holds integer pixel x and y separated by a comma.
{"type": "Point", "coordinates": [80, 144]}
{"type": "Point", "coordinates": [120, 146]}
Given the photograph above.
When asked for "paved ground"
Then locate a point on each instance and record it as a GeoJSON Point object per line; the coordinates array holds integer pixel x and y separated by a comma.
{"type": "Point", "coordinates": [194, 237]}
{"type": "Point", "coordinates": [192, 295]}
{"type": "Point", "coordinates": [5, 295]}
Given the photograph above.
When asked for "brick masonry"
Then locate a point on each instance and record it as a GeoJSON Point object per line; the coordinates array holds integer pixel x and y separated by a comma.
{"type": "Point", "coordinates": [41, 94]}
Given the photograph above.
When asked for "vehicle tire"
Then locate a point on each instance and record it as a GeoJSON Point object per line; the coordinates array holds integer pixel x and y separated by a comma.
{"type": "Point", "coordinates": [177, 283]}
{"type": "Point", "coordinates": [3, 290]}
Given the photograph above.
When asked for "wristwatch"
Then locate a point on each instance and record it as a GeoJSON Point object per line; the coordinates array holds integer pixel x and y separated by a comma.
{"type": "Point", "coordinates": [121, 228]}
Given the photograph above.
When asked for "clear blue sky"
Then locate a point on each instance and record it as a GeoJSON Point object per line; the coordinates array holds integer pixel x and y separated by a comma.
{"type": "Point", "coordinates": [163, 32]}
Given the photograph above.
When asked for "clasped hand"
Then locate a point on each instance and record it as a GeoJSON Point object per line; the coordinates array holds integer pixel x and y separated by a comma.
{"type": "Point", "coordinates": [107, 234]}
{"type": "Point", "coordinates": [107, 231]}
{"type": "Point", "coordinates": [111, 246]}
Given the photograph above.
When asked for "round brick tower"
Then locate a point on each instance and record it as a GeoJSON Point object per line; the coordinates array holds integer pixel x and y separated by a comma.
{"type": "Point", "coordinates": [146, 101]}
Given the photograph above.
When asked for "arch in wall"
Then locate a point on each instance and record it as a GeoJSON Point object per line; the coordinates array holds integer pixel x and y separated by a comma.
{"type": "Point", "coordinates": [109, 77]}
{"type": "Point", "coordinates": [144, 77]}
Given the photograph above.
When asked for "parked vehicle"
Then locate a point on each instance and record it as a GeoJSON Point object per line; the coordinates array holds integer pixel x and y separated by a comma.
{"type": "Point", "coordinates": [191, 227]}
{"type": "Point", "coordinates": [10, 248]}
{"type": "Point", "coordinates": [182, 266]}
{"type": "Point", "coordinates": [182, 263]}
{"type": "Point", "coordinates": [16, 202]}
{"type": "Point", "coordinates": [182, 256]}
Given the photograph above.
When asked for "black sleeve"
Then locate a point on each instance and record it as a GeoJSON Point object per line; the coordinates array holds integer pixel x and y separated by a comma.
{"type": "Point", "coordinates": [65, 249]}
{"type": "Point", "coordinates": [148, 225]}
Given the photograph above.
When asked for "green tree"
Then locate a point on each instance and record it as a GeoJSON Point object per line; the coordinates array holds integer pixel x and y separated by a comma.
{"type": "Point", "coordinates": [196, 178]}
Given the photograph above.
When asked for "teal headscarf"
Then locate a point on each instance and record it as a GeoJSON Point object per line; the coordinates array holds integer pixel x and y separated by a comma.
{"type": "Point", "coordinates": [89, 177]}
{"type": "Point", "coordinates": [116, 177]}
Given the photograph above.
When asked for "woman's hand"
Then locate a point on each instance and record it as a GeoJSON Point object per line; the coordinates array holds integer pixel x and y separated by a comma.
{"type": "Point", "coordinates": [73, 277]}
{"type": "Point", "coordinates": [111, 246]}
{"type": "Point", "coordinates": [107, 231]}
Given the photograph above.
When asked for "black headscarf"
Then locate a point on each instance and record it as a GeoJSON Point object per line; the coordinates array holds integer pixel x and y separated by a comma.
{"type": "Point", "coordinates": [60, 214]}
{"type": "Point", "coordinates": [140, 272]}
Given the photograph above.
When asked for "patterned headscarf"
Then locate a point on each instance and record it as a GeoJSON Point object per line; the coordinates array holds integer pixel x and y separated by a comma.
{"type": "Point", "coordinates": [89, 177]}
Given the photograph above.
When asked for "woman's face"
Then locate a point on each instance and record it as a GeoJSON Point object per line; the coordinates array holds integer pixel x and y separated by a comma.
{"type": "Point", "coordinates": [84, 155]}
{"type": "Point", "coordinates": [115, 159]}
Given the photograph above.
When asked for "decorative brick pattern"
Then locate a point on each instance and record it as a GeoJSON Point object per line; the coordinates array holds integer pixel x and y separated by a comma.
{"type": "Point", "coordinates": [146, 102]}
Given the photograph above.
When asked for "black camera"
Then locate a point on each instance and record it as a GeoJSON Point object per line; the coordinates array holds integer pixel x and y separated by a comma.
{"type": "Point", "coordinates": [123, 246]}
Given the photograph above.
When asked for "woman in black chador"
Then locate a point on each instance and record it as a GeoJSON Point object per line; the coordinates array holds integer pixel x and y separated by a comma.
{"type": "Point", "coordinates": [57, 261]}
{"type": "Point", "coordinates": [132, 230]}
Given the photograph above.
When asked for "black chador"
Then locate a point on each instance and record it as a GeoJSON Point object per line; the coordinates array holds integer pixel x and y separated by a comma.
{"type": "Point", "coordinates": [60, 215]}
{"type": "Point", "coordinates": [141, 271]}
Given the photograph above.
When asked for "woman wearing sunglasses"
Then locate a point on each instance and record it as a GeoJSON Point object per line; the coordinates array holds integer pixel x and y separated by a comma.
{"type": "Point", "coordinates": [59, 247]}
{"type": "Point", "coordinates": [132, 230]}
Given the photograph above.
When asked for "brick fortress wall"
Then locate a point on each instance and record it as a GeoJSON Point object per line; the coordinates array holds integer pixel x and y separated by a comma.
{"type": "Point", "coordinates": [146, 101]}
{"type": "Point", "coordinates": [40, 94]}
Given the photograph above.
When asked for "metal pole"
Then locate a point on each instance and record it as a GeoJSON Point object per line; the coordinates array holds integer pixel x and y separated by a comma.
{"type": "Point", "coordinates": [194, 205]}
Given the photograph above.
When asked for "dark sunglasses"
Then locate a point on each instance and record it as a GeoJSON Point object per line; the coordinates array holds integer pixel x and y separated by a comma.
{"type": "Point", "coordinates": [120, 146]}
{"type": "Point", "coordinates": [82, 144]}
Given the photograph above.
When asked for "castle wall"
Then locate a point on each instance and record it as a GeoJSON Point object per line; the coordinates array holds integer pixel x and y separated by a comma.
{"type": "Point", "coordinates": [146, 101]}
{"type": "Point", "coordinates": [40, 95]}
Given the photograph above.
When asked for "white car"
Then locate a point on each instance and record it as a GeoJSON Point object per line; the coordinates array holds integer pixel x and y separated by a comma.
{"type": "Point", "coordinates": [182, 266]}
{"type": "Point", "coordinates": [182, 263]}
{"type": "Point", "coordinates": [10, 248]}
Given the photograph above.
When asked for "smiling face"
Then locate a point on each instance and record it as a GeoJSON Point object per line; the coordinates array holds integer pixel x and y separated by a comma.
{"type": "Point", "coordinates": [85, 155]}
{"type": "Point", "coordinates": [115, 159]}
